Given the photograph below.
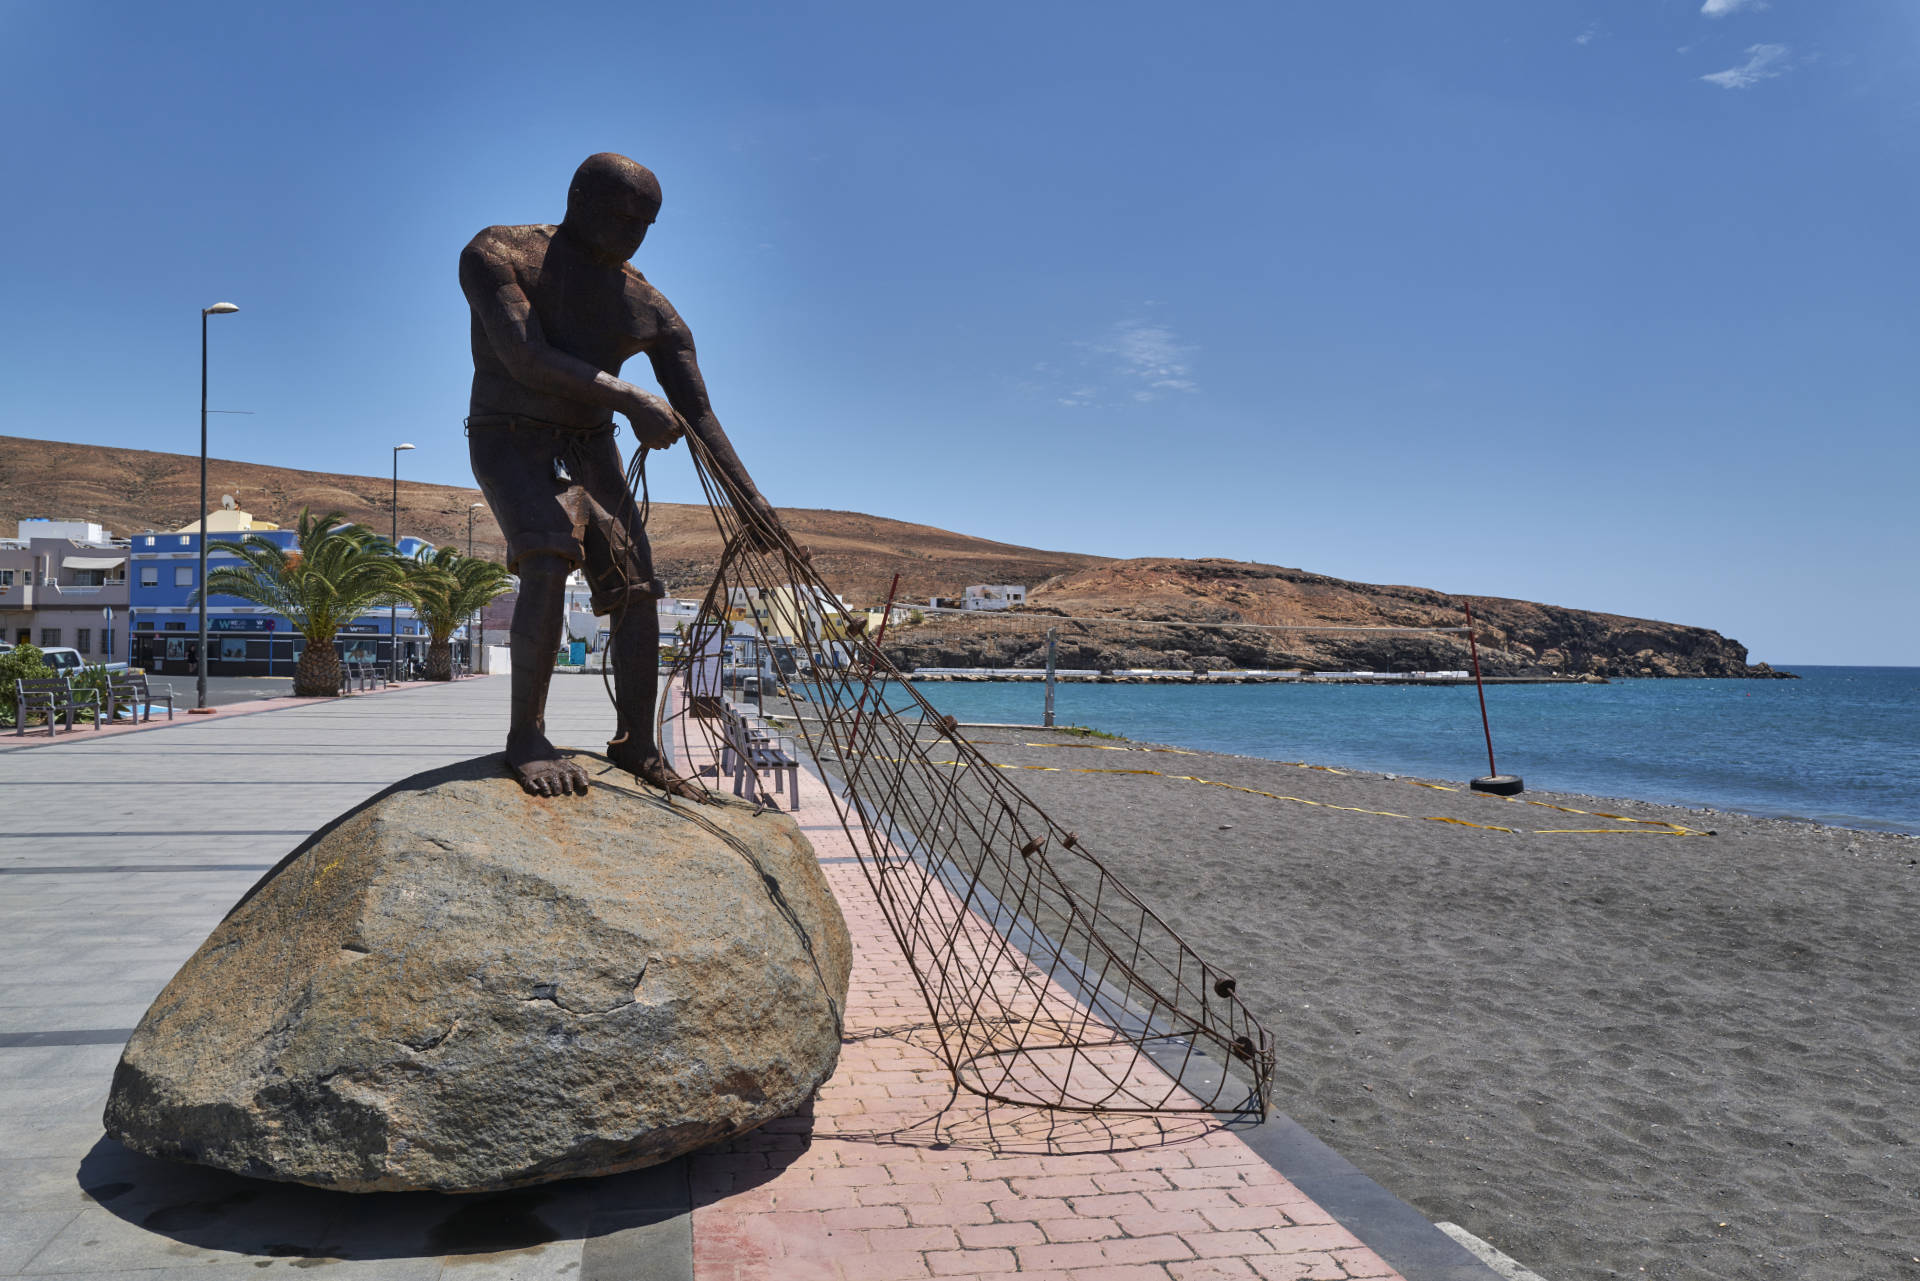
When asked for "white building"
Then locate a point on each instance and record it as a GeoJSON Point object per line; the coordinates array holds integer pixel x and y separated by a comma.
{"type": "Point", "coordinates": [993, 596]}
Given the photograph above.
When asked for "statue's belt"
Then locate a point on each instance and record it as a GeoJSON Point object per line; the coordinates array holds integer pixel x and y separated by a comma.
{"type": "Point", "coordinates": [520, 422]}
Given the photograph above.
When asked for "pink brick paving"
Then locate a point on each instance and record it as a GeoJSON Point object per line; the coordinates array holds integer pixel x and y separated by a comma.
{"type": "Point", "coordinates": [894, 1174]}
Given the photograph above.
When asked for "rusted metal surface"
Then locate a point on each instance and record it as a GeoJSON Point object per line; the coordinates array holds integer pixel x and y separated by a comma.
{"type": "Point", "coordinates": [1048, 981]}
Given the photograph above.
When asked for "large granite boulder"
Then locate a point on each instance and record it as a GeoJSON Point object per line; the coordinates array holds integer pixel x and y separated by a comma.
{"type": "Point", "coordinates": [459, 987]}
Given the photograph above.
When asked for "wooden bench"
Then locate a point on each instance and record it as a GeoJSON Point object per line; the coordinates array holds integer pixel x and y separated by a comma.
{"type": "Point", "coordinates": [51, 696]}
{"type": "Point", "coordinates": [129, 691]}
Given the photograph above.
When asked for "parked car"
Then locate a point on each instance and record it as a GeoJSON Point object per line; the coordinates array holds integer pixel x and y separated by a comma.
{"type": "Point", "coordinates": [62, 660]}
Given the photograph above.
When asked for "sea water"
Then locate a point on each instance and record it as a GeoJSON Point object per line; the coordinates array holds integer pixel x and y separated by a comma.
{"type": "Point", "coordinates": [1841, 745]}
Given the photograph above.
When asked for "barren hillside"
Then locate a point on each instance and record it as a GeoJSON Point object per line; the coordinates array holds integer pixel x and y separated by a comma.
{"type": "Point", "coordinates": [130, 490]}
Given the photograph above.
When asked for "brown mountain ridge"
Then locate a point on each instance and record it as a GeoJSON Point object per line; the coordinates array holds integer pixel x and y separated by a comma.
{"type": "Point", "coordinates": [130, 490]}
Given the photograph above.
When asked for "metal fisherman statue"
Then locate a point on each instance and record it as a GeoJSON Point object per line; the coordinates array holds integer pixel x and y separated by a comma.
{"type": "Point", "coordinates": [556, 312]}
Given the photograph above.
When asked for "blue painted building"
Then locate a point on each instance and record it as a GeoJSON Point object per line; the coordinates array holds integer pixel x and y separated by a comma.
{"type": "Point", "coordinates": [163, 621]}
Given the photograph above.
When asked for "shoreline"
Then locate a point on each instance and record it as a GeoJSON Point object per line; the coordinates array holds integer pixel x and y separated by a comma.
{"type": "Point", "coordinates": [1094, 733]}
{"type": "Point", "coordinates": [1835, 750]}
{"type": "Point", "coordinates": [1172, 676]}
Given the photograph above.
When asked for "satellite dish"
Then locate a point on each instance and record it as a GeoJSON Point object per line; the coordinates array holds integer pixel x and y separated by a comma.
{"type": "Point", "coordinates": [226, 501]}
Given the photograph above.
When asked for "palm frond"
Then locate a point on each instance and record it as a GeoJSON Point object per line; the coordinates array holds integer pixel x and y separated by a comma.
{"type": "Point", "coordinates": [448, 586]}
{"type": "Point", "coordinates": [338, 572]}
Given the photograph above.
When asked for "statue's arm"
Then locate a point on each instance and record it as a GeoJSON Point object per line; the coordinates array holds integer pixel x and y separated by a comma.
{"type": "Point", "coordinates": [513, 331]}
{"type": "Point", "coordinates": [678, 371]}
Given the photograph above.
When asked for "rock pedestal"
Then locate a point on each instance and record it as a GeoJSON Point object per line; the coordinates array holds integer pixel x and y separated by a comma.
{"type": "Point", "coordinates": [460, 987]}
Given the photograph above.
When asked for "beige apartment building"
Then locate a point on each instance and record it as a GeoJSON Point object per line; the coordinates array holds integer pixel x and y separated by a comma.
{"type": "Point", "coordinates": [64, 583]}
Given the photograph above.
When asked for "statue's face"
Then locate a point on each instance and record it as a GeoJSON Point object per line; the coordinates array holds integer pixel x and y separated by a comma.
{"type": "Point", "coordinates": [615, 224]}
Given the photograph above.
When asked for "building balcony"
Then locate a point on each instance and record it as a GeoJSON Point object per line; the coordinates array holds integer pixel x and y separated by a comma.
{"type": "Point", "coordinates": [84, 593]}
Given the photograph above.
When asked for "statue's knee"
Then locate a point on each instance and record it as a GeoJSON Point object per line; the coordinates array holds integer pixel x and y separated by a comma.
{"type": "Point", "coordinates": [541, 568]}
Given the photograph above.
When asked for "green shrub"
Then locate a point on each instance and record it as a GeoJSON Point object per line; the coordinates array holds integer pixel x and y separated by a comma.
{"type": "Point", "coordinates": [95, 679]}
{"type": "Point", "coordinates": [22, 663]}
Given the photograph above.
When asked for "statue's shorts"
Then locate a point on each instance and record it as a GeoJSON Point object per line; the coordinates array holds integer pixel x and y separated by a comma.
{"type": "Point", "coordinates": [560, 491]}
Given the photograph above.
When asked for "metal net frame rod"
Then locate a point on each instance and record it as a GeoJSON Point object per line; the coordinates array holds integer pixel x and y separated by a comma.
{"type": "Point", "coordinates": [1048, 982]}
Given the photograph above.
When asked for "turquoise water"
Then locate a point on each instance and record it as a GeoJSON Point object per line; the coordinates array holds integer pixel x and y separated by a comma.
{"type": "Point", "coordinates": [1841, 745]}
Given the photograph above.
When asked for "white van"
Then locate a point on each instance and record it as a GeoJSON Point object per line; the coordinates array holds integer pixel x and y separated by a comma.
{"type": "Point", "coordinates": [63, 661]}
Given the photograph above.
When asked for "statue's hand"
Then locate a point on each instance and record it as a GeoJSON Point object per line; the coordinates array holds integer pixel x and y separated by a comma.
{"type": "Point", "coordinates": [655, 423]}
{"type": "Point", "coordinates": [765, 533]}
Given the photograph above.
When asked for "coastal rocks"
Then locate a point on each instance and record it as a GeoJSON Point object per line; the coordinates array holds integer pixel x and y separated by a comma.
{"type": "Point", "coordinates": [458, 987]}
{"type": "Point", "coordinates": [1183, 613]}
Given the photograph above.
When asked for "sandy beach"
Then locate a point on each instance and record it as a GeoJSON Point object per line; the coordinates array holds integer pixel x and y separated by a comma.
{"type": "Point", "coordinates": [1640, 1051]}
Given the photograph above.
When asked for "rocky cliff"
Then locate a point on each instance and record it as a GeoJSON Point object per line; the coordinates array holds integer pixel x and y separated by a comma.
{"type": "Point", "coordinates": [1149, 613]}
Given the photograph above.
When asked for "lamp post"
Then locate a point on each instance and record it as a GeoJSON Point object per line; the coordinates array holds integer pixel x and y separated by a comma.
{"type": "Point", "coordinates": [393, 609]}
{"type": "Point", "coordinates": [200, 667]}
{"type": "Point", "coordinates": [475, 624]}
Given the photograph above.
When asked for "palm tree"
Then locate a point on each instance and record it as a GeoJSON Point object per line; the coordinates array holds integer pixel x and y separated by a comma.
{"type": "Point", "coordinates": [335, 573]}
{"type": "Point", "coordinates": [447, 587]}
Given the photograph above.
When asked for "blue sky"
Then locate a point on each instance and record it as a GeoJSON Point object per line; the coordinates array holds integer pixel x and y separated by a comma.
{"type": "Point", "coordinates": [1609, 304]}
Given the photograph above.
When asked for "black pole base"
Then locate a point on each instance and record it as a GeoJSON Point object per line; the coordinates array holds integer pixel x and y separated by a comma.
{"type": "Point", "coordinates": [1499, 784]}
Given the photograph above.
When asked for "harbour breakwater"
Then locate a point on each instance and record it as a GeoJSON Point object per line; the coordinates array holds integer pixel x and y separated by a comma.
{"type": "Point", "coordinates": [1173, 676]}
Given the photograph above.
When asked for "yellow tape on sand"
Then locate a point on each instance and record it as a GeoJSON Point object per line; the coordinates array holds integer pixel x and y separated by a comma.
{"type": "Point", "coordinates": [1662, 827]}
{"type": "Point", "coordinates": [1650, 828]}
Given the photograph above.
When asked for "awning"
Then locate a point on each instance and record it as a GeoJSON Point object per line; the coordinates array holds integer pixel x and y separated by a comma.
{"type": "Point", "coordinates": [94, 562]}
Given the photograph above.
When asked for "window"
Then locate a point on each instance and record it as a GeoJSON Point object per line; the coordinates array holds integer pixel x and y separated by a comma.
{"type": "Point", "coordinates": [183, 576]}
{"type": "Point", "coordinates": [149, 575]}
{"type": "Point", "coordinates": [89, 578]}
{"type": "Point", "coordinates": [186, 540]}
{"type": "Point", "coordinates": [83, 640]}
{"type": "Point", "coordinates": [176, 626]}
{"type": "Point", "coordinates": [6, 578]}
{"type": "Point", "coordinates": [106, 642]}
{"type": "Point", "coordinates": [49, 637]}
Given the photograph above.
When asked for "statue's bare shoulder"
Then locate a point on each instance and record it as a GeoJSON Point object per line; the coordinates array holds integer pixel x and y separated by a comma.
{"type": "Point", "coordinates": [503, 255]}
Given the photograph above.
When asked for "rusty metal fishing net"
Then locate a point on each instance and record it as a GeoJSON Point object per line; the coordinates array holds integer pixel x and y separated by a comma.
{"type": "Point", "coordinates": [1048, 981]}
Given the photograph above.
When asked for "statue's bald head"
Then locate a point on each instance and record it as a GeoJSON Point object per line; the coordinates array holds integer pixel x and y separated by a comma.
{"type": "Point", "coordinates": [611, 203]}
{"type": "Point", "coordinates": [611, 176]}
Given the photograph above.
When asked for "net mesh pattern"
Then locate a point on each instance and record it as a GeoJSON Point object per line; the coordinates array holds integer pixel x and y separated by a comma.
{"type": "Point", "coordinates": [1049, 983]}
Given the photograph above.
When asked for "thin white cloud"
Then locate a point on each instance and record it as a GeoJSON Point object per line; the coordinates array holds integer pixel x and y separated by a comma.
{"type": "Point", "coordinates": [1721, 8]}
{"type": "Point", "coordinates": [1764, 62]}
{"type": "Point", "coordinates": [1133, 362]}
{"type": "Point", "coordinates": [1149, 356]}
{"type": "Point", "coordinates": [1588, 36]}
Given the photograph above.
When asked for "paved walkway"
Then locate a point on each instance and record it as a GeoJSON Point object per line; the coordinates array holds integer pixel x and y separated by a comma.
{"type": "Point", "coordinates": [119, 855]}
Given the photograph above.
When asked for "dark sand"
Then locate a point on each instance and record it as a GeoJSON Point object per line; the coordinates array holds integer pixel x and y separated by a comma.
{"type": "Point", "coordinates": [1609, 1055]}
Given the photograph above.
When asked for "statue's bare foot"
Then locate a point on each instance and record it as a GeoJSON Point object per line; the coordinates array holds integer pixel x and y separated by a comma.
{"type": "Point", "coordinates": [645, 764]}
{"type": "Point", "coordinates": [540, 767]}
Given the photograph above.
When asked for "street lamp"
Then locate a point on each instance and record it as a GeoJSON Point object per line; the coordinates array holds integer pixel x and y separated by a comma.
{"type": "Point", "coordinates": [218, 309]}
{"type": "Point", "coordinates": [393, 609]}
{"type": "Point", "coordinates": [476, 625]}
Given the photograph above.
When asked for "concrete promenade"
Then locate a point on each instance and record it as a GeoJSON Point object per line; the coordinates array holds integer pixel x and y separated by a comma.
{"type": "Point", "coordinates": [118, 855]}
